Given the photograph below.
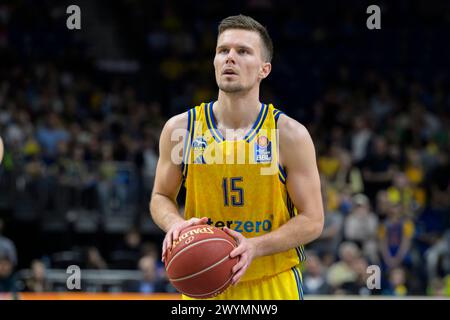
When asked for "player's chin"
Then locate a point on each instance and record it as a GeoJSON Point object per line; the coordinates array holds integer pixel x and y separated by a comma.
{"type": "Point", "coordinates": [230, 86]}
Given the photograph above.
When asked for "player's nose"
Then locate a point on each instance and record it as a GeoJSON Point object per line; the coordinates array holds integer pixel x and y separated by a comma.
{"type": "Point", "coordinates": [231, 56]}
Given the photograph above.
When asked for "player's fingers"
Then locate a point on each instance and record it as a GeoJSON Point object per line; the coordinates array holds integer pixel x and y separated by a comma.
{"type": "Point", "coordinates": [203, 220]}
{"type": "Point", "coordinates": [238, 276]}
{"type": "Point", "coordinates": [163, 248]}
{"type": "Point", "coordinates": [239, 265]}
{"type": "Point", "coordinates": [236, 235]}
{"type": "Point", "coordinates": [177, 231]}
{"type": "Point", "coordinates": [238, 251]}
{"type": "Point", "coordinates": [169, 238]}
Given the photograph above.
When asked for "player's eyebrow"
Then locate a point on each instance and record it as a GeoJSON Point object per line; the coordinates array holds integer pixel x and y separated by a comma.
{"type": "Point", "coordinates": [240, 46]}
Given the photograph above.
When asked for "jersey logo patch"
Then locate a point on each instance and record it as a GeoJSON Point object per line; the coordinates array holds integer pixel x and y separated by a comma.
{"type": "Point", "coordinates": [199, 144]}
{"type": "Point", "coordinates": [263, 150]}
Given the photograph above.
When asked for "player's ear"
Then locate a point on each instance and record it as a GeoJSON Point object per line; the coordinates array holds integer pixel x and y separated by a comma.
{"type": "Point", "coordinates": [265, 70]}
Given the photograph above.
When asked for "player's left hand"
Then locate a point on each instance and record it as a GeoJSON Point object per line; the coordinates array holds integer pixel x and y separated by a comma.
{"type": "Point", "coordinates": [246, 251]}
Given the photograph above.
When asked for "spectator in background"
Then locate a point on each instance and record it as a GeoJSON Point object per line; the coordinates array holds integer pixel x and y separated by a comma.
{"type": "Point", "coordinates": [332, 231]}
{"type": "Point", "coordinates": [437, 258]}
{"type": "Point", "coordinates": [314, 277]}
{"type": "Point", "coordinates": [76, 181]}
{"type": "Point", "coordinates": [438, 180]}
{"type": "Point", "coordinates": [361, 136]}
{"type": "Point", "coordinates": [377, 168]}
{"type": "Point", "coordinates": [359, 286]}
{"type": "Point", "coordinates": [329, 163]}
{"type": "Point", "coordinates": [127, 255]}
{"type": "Point", "coordinates": [37, 281]}
{"type": "Point", "coordinates": [7, 277]}
{"type": "Point", "coordinates": [150, 282]}
{"type": "Point", "coordinates": [361, 226]}
{"type": "Point", "coordinates": [430, 225]}
{"type": "Point", "coordinates": [342, 273]}
{"type": "Point", "coordinates": [415, 172]}
{"type": "Point", "coordinates": [94, 259]}
{"type": "Point", "coordinates": [382, 205]}
{"type": "Point", "coordinates": [382, 104]}
{"type": "Point", "coordinates": [397, 283]}
{"type": "Point", "coordinates": [349, 176]}
{"type": "Point", "coordinates": [395, 238]}
{"type": "Point", "coordinates": [437, 288]}
{"type": "Point", "coordinates": [8, 261]}
{"type": "Point", "coordinates": [110, 194]}
{"type": "Point", "coordinates": [50, 134]}
{"type": "Point", "coordinates": [401, 192]}
{"type": "Point", "coordinates": [7, 245]}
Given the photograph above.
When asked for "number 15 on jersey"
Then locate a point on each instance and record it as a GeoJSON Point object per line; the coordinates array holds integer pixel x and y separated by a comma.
{"type": "Point", "coordinates": [233, 193]}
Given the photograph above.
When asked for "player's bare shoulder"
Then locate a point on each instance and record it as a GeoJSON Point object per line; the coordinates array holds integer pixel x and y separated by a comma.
{"type": "Point", "coordinates": [176, 122]}
{"type": "Point", "coordinates": [172, 137]}
{"type": "Point", "coordinates": [295, 141]}
{"type": "Point", "coordinates": [291, 131]}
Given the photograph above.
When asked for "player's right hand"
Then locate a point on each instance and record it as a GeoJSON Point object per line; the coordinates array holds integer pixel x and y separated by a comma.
{"type": "Point", "coordinates": [175, 230]}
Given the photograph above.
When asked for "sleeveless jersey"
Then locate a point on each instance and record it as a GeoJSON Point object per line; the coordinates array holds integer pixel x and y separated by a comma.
{"type": "Point", "coordinates": [239, 183]}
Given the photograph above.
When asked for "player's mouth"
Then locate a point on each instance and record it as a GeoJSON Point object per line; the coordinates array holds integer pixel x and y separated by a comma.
{"type": "Point", "coordinates": [229, 72]}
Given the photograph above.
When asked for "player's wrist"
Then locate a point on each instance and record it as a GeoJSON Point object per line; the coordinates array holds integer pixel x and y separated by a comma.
{"type": "Point", "coordinates": [258, 247]}
{"type": "Point", "coordinates": [176, 220]}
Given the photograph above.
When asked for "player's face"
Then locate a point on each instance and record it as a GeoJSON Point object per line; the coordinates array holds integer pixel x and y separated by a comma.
{"type": "Point", "coordinates": [239, 61]}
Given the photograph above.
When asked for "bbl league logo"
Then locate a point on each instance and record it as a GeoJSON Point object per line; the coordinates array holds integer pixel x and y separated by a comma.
{"type": "Point", "coordinates": [263, 150]}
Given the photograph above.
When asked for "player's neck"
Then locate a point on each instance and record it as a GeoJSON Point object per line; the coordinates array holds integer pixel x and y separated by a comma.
{"type": "Point", "coordinates": [236, 111]}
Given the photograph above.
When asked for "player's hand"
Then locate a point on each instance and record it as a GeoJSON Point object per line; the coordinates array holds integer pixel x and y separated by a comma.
{"type": "Point", "coordinates": [246, 251]}
{"type": "Point", "coordinates": [175, 230]}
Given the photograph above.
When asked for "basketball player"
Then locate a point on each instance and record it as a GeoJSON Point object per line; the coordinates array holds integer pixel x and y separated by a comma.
{"type": "Point", "coordinates": [271, 216]}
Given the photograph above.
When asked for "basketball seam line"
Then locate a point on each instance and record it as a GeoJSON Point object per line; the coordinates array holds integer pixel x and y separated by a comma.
{"type": "Point", "coordinates": [215, 292]}
{"type": "Point", "coordinates": [202, 271]}
{"type": "Point", "coordinates": [197, 243]}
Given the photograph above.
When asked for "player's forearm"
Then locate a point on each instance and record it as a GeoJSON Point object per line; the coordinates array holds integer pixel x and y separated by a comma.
{"type": "Point", "coordinates": [164, 211]}
{"type": "Point", "coordinates": [298, 231]}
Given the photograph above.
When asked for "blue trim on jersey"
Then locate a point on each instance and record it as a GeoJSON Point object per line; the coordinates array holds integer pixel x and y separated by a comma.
{"type": "Point", "coordinates": [298, 279]}
{"type": "Point", "coordinates": [188, 140]}
{"type": "Point", "coordinates": [250, 134]}
{"type": "Point", "coordinates": [258, 123]}
{"type": "Point", "coordinates": [291, 209]}
{"type": "Point", "coordinates": [282, 172]}
{"type": "Point", "coordinates": [281, 178]}
{"type": "Point", "coordinates": [211, 123]}
{"type": "Point", "coordinates": [277, 114]}
{"type": "Point", "coordinates": [194, 118]}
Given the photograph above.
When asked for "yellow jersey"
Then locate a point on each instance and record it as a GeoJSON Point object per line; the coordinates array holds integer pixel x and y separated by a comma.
{"type": "Point", "coordinates": [239, 183]}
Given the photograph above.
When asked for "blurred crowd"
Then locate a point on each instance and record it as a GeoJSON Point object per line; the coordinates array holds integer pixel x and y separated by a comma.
{"type": "Point", "coordinates": [383, 154]}
{"type": "Point", "coordinates": [79, 138]}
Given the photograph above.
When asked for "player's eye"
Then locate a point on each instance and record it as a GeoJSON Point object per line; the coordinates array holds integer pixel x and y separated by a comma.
{"type": "Point", "coordinates": [223, 50]}
{"type": "Point", "coordinates": [243, 51]}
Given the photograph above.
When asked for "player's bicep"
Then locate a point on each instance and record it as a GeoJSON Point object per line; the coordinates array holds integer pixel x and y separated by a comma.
{"type": "Point", "coordinates": [303, 180]}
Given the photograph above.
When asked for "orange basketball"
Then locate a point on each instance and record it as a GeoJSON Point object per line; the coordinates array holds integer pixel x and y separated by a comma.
{"type": "Point", "coordinates": [199, 263]}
